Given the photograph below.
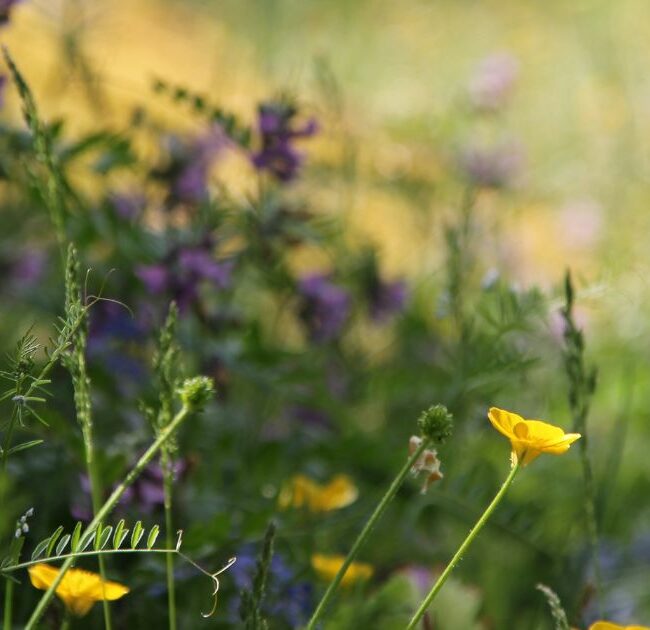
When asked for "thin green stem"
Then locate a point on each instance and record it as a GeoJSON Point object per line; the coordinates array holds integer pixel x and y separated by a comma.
{"type": "Point", "coordinates": [96, 493]}
{"type": "Point", "coordinates": [365, 532]}
{"type": "Point", "coordinates": [164, 434]}
{"type": "Point", "coordinates": [463, 548]}
{"type": "Point", "coordinates": [9, 600]}
{"type": "Point", "coordinates": [169, 539]}
{"type": "Point", "coordinates": [65, 624]}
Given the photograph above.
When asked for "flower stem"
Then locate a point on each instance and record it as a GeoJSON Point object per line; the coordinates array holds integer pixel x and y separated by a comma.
{"type": "Point", "coordinates": [96, 493]}
{"type": "Point", "coordinates": [108, 506]}
{"type": "Point", "coordinates": [463, 548]}
{"type": "Point", "coordinates": [167, 488]}
{"type": "Point", "coordinates": [365, 532]}
{"type": "Point", "coordinates": [9, 600]}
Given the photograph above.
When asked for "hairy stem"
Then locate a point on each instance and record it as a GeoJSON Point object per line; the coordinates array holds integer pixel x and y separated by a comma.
{"type": "Point", "coordinates": [463, 548]}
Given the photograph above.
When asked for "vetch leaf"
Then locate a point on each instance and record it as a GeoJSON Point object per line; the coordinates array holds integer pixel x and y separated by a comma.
{"type": "Point", "coordinates": [119, 535]}
{"type": "Point", "coordinates": [62, 544]}
{"type": "Point", "coordinates": [136, 534]}
{"type": "Point", "coordinates": [104, 538]}
{"type": "Point", "coordinates": [53, 538]}
{"type": "Point", "coordinates": [76, 536]}
{"type": "Point", "coordinates": [39, 550]}
{"type": "Point", "coordinates": [86, 543]}
{"type": "Point", "coordinates": [153, 534]}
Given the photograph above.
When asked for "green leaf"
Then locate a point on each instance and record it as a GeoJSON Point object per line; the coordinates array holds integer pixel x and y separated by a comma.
{"type": "Point", "coordinates": [153, 534]}
{"type": "Point", "coordinates": [39, 550]}
{"type": "Point", "coordinates": [24, 446]}
{"type": "Point", "coordinates": [62, 544]}
{"type": "Point", "coordinates": [136, 534]}
{"type": "Point", "coordinates": [53, 538]}
{"type": "Point", "coordinates": [76, 536]}
{"type": "Point", "coordinates": [86, 543]}
{"type": "Point", "coordinates": [104, 538]}
{"type": "Point", "coordinates": [119, 535]}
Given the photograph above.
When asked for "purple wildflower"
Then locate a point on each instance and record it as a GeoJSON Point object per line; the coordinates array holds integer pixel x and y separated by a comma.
{"type": "Point", "coordinates": [6, 7]}
{"type": "Point", "coordinates": [494, 166]}
{"type": "Point", "coordinates": [387, 299]}
{"type": "Point", "coordinates": [183, 271]}
{"type": "Point", "coordinates": [190, 163]}
{"type": "Point", "coordinates": [492, 82]}
{"type": "Point", "coordinates": [324, 307]}
{"type": "Point", "coordinates": [277, 154]}
{"type": "Point", "coordinates": [128, 206]}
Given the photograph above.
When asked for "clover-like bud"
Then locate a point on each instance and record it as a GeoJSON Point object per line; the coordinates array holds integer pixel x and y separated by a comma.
{"type": "Point", "coordinates": [436, 423]}
{"type": "Point", "coordinates": [196, 392]}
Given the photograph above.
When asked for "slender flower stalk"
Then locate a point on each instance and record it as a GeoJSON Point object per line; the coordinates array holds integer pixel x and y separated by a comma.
{"type": "Point", "coordinates": [169, 538]}
{"type": "Point", "coordinates": [365, 532]}
{"type": "Point", "coordinates": [194, 394]}
{"type": "Point", "coordinates": [463, 548]}
{"type": "Point", "coordinates": [9, 600]}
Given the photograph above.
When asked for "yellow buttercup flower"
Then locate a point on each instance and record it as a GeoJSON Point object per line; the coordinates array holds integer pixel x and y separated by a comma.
{"type": "Point", "coordinates": [79, 589]}
{"type": "Point", "coordinates": [530, 438]}
{"type": "Point", "coordinates": [303, 492]}
{"type": "Point", "coordinates": [327, 567]}
{"type": "Point", "coordinates": [607, 625]}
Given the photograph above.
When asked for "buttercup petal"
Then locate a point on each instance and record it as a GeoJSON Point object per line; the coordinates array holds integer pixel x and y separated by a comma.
{"type": "Point", "coordinates": [503, 421]}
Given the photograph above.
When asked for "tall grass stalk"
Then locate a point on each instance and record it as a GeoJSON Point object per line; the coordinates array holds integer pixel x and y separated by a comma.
{"type": "Point", "coordinates": [74, 360]}
{"type": "Point", "coordinates": [582, 385]}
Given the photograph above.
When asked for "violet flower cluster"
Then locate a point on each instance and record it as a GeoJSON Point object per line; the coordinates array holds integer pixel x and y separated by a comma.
{"type": "Point", "coordinates": [278, 154]}
{"type": "Point", "coordinates": [324, 307]}
{"type": "Point", "coordinates": [183, 271]}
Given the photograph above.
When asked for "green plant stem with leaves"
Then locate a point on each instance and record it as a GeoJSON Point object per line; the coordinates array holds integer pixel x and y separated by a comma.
{"type": "Point", "coordinates": [428, 600]}
{"type": "Point", "coordinates": [365, 532]}
{"type": "Point", "coordinates": [198, 391]}
{"type": "Point", "coordinates": [166, 369]}
{"type": "Point", "coordinates": [582, 385]}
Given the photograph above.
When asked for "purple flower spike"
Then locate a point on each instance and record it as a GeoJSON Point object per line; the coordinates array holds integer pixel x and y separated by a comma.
{"type": "Point", "coordinates": [278, 156]}
{"type": "Point", "coordinates": [325, 307]}
{"type": "Point", "coordinates": [190, 163]}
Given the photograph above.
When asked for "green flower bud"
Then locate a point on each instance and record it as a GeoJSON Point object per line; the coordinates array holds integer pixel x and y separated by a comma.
{"type": "Point", "coordinates": [196, 392]}
{"type": "Point", "coordinates": [436, 423]}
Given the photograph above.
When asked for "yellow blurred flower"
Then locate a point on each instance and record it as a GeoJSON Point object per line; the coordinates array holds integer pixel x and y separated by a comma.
{"type": "Point", "coordinates": [303, 492]}
{"type": "Point", "coordinates": [79, 589]}
{"type": "Point", "coordinates": [530, 438]}
{"type": "Point", "coordinates": [328, 566]}
{"type": "Point", "coordinates": [607, 625]}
